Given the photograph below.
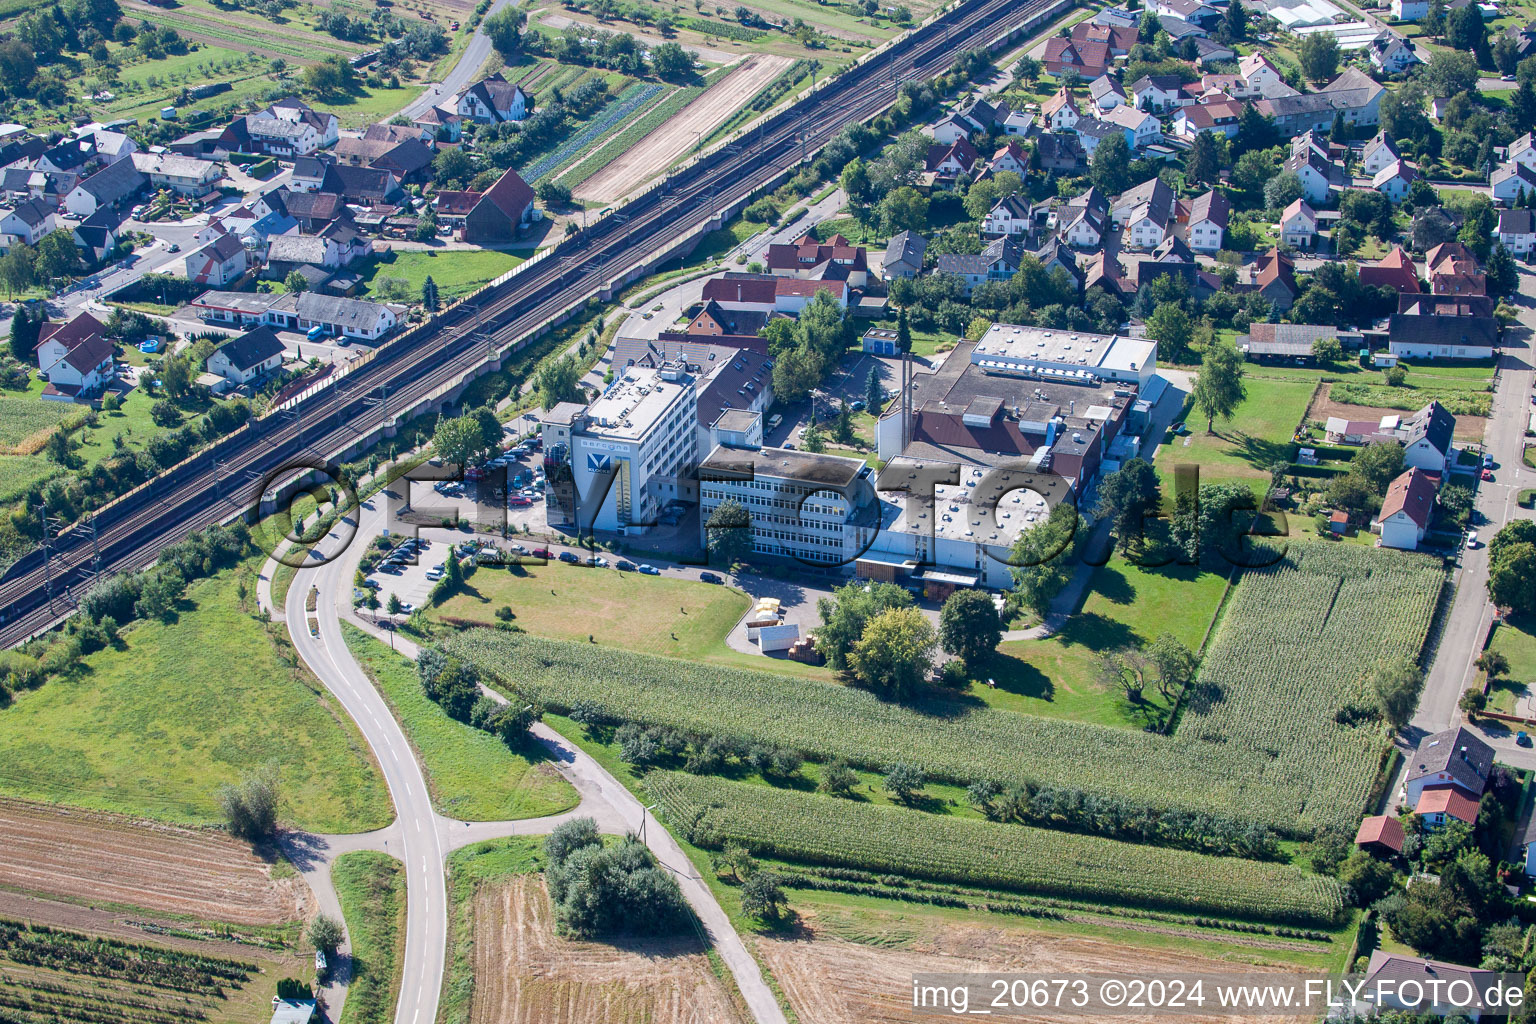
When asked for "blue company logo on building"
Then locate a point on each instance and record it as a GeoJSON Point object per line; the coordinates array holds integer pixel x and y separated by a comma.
{"type": "Point", "coordinates": [597, 462]}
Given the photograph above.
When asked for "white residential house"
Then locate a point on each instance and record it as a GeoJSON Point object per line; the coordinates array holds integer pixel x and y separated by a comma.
{"type": "Point", "coordinates": [953, 128]}
{"type": "Point", "coordinates": [25, 223]}
{"type": "Point", "coordinates": [1393, 181]}
{"type": "Point", "coordinates": [1508, 181]}
{"type": "Point", "coordinates": [1523, 151]}
{"type": "Point", "coordinates": [1517, 231]}
{"type": "Point", "coordinates": [1009, 217]}
{"type": "Point", "coordinates": [1082, 227]}
{"type": "Point", "coordinates": [1314, 172]}
{"type": "Point", "coordinates": [184, 175]}
{"type": "Point", "coordinates": [492, 99]}
{"type": "Point", "coordinates": [1208, 216]}
{"type": "Point", "coordinates": [248, 357]}
{"type": "Point", "coordinates": [1159, 92]}
{"type": "Point", "coordinates": [1406, 510]}
{"type": "Point", "coordinates": [1010, 157]}
{"type": "Point", "coordinates": [1409, 10]}
{"type": "Point", "coordinates": [105, 189]}
{"type": "Point", "coordinates": [1107, 93]}
{"type": "Point", "coordinates": [1141, 128]}
{"type": "Point", "coordinates": [1060, 111]}
{"type": "Point", "coordinates": [1298, 225]}
{"type": "Point", "coordinates": [218, 263]}
{"type": "Point", "coordinates": [1260, 76]}
{"type": "Point", "coordinates": [75, 358]}
{"type": "Point", "coordinates": [1392, 54]}
{"type": "Point", "coordinates": [1378, 153]}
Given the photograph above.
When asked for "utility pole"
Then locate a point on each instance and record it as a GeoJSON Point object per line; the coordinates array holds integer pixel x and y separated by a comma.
{"type": "Point", "coordinates": [643, 812]}
{"type": "Point", "coordinates": [95, 548]}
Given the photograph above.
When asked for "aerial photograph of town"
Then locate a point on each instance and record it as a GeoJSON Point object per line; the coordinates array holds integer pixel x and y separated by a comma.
{"type": "Point", "coordinates": [836, 512]}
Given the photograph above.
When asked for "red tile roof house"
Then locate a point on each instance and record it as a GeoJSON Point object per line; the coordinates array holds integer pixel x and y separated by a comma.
{"type": "Point", "coordinates": [1088, 58]}
{"type": "Point", "coordinates": [1396, 271]}
{"type": "Point", "coordinates": [1380, 833]}
{"type": "Point", "coordinates": [75, 358]}
{"type": "Point", "coordinates": [805, 255]}
{"type": "Point", "coordinates": [742, 291]}
{"type": "Point", "coordinates": [1407, 510]}
{"type": "Point", "coordinates": [500, 211]}
{"type": "Point", "coordinates": [1439, 803]}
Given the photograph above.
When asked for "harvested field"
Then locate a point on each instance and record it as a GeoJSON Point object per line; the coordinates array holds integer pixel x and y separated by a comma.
{"type": "Point", "coordinates": [831, 980]}
{"type": "Point", "coordinates": [1468, 428]}
{"type": "Point", "coordinates": [526, 974]}
{"type": "Point", "coordinates": [103, 858]}
{"type": "Point", "coordinates": [662, 147]}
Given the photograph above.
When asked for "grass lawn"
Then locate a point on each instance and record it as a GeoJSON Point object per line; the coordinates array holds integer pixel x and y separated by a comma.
{"type": "Point", "coordinates": [621, 609]}
{"type": "Point", "coordinates": [456, 272]}
{"type": "Point", "coordinates": [1057, 677]}
{"type": "Point", "coordinates": [156, 725]}
{"type": "Point", "coordinates": [473, 776]}
{"type": "Point", "coordinates": [1244, 447]}
{"type": "Point", "coordinates": [371, 887]}
{"type": "Point", "coordinates": [469, 869]}
{"type": "Point", "coordinates": [1516, 640]}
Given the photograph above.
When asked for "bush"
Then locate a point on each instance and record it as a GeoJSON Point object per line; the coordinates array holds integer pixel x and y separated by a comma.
{"type": "Point", "coordinates": [599, 889]}
{"type": "Point", "coordinates": [325, 934]}
{"type": "Point", "coordinates": [763, 211]}
{"type": "Point", "coordinates": [250, 809]}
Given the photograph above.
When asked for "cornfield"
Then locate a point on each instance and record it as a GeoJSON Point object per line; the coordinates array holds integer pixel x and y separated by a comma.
{"type": "Point", "coordinates": [822, 830]}
{"type": "Point", "coordinates": [1259, 740]}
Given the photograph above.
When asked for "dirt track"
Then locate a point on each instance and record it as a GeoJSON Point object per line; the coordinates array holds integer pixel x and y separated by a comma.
{"type": "Point", "coordinates": [656, 152]}
{"type": "Point", "coordinates": [829, 980]}
{"type": "Point", "coordinates": [526, 974]}
{"type": "Point", "coordinates": [102, 858]}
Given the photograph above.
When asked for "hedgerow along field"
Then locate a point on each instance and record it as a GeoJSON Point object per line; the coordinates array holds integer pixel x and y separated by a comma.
{"type": "Point", "coordinates": [712, 812]}
{"type": "Point", "coordinates": [1259, 742]}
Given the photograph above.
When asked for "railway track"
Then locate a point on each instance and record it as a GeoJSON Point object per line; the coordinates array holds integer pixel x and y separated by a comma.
{"type": "Point", "coordinates": [228, 477]}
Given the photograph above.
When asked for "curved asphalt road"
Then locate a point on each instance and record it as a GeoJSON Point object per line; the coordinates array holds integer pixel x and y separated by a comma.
{"type": "Point", "coordinates": [422, 837]}
{"type": "Point", "coordinates": [463, 72]}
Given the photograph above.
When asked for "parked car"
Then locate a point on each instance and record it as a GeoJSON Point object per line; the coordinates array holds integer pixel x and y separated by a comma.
{"type": "Point", "coordinates": [1522, 739]}
{"type": "Point", "coordinates": [625, 566]}
{"type": "Point", "coordinates": [709, 577]}
{"type": "Point", "coordinates": [1471, 539]}
{"type": "Point", "coordinates": [519, 501]}
{"type": "Point", "coordinates": [433, 575]}
{"type": "Point", "coordinates": [570, 558]}
{"type": "Point", "coordinates": [650, 570]}
{"type": "Point", "coordinates": [598, 562]}
{"type": "Point", "coordinates": [541, 553]}
{"type": "Point", "coordinates": [1487, 474]}
{"type": "Point", "coordinates": [1487, 461]}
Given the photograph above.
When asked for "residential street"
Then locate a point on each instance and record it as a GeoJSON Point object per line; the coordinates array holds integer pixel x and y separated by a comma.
{"type": "Point", "coordinates": [463, 73]}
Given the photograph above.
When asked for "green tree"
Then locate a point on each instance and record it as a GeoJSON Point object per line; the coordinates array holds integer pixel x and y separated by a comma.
{"type": "Point", "coordinates": [505, 31]}
{"type": "Point", "coordinates": [905, 209]}
{"type": "Point", "coordinates": [1202, 165]}
{"type": "Point", "coordinates": [842, 427]}
{"type": "Point", "coordinates": [874, 393]}
{"type": "Point", "coordinates": [558, 381]}
{"type": "Point", "coordinates": [1171, 328]}
{"type": "Point", "coordinates": [1027, 70]}
{"type": "Point", "coordinates": [1368, 878]}
{"type": "Point", "coordinates": [1479, 224]}
{"type": "Point", "coordinates": [1251, 173]}
{"type": "Point", "coordinates": [250, 807]}
{"type": "Point", "coordinates": [969, 627]}
{"type": "Point", "coordinates": [1434, 21]}
{"type": "Point", "coordinates": [296, 282]}
{"type": "Point", "coordinates": [729, 533]}
{"type": "Point", "coordinates": [1466, 31]}
{"type": "Point", "coordinates": [393, 605]}
{"type": "Point", "coordinates": [845, 614]}
{"type": "Point", "coordinates": [672, 62]}
{"type": "Point", "coordinates": [903, 781]}
{"type": "Point", "coordinates": [1378, 465]}
{"type": "Point", "coordinates": [25, 328]}
{"type": "Point", "coordinates": [1038, 562]}
{"type": "Point", "coordinates": [1254, 130]}
{"type": "Point", "coordinates": [1396, 686]}
{"type": "Point", "coordinates": [1319, 56]}
{"type": "Point", "coordinates": [1503, 277]}
{"type": "Point", "coordinates": [429, 299]}
{"type": "Point", "coordinates": [1219, 387]}
{"type": "Point", "coordinates": [838, 779]}
{"type": "Point", "coordinates": [1173, 663]}
{"type": "Point", "coordinates": [1282, 190]}
{"type": "Point", "coordinates": [1126, 496]}
{"type": "Point", "coordinates": [18, 270]}
{"type": "Point", "coordinates": [1512, 578]}
{"type": "Point", "coordinates": [1110, 167]}
{"type": "Point", "coordinates": [1234, 24]}
{"type": "Point", "coordinates": [814, 440]}
{"type": "Point", "coordinates": [762, 896]}
{"type": "Point", "coordinates": [737, 861]}
{"type": "Point", "coordinates": [325, 934]}
{"type": "Point", "coordinates": [1327, 350]}
{"type": "Point", "coordinates": [894, 652]}
{"type": "Point", "coordinates": [903, 333]}
{"type": "Point", "coordinates": [458, 441]}
{"type": "Point", "coordinates": [1493, 664]}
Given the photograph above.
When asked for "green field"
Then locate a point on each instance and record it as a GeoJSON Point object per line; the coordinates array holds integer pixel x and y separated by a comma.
{"type": "Point", "coordinates": [1242, 449]}
{"type": "Point", "coordinates": [456, 272]}
{"type": "Point", "coordinates": [1257, 740]}
{"type": "Point", "coordinates": [1126, 605]}
{"type": "Point", "coordinates": [371, 888]}
{"type": "Point", "coordinates": [1516, 640]}
{"type": "Point", "coordinates": [469, 869]}
{"type": "Point", "coordinates": [681, 618]}
{"type": "Point", "coordinates": [154, 726]}
{"type": "Point", "coordinates": [823, 830]}
{"type": "Point", "coordinates": [472, 775]}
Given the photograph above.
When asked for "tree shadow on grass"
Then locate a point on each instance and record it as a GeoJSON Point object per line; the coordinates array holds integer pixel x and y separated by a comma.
{"type": "Point", "coordinates": [1096, 632]}
{"type": "Point", "coordinates": [1113, 586]}
{"type": "Point", "coordinates": [1017, 676]}
{"type": "Point", "coordinates": [1259, 452]}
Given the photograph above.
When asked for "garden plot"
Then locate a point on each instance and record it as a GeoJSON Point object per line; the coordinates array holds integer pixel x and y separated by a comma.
{"type": "Point", "coordinates": [663, 147]}
{"type": "Point", "coordinates": [100, 857]}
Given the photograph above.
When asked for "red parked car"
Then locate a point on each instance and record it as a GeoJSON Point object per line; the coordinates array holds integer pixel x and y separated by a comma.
{"type": "Point", "coordinates": [541, 553]}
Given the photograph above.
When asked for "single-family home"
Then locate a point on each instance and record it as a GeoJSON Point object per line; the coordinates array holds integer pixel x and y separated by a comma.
{"type": "Point", "coordinates": [1159, 93]}
{"type": "Point", "coordinates": [1208, 216]}
{"type": "Point", "coordinates": [952, 161]}
{"type": "Point", "coordinates": [1417, 986]}
{"type": "Point", "coordinates": [1081, 226]}
{"type": "Point", "coordinates": [792, 294]}
{"type": "Point", "coordinates": [806, 258]}
{"type": "Point", "coordinates": [1054, 253]}
{"type": "Point", "coordinates": [25, 222]}
{"type": "Point", "coordinates": [1061, 152]}
{"type": "Point", "coordinates": [445, 125]}
{"type": "Point", "coordinates": [1088, 59]}
{"type": "Point", "coordinates": [75, 358]}
{"type": "Point", "coordinates": [288, 128]}
{"type": "Point", "coordinates": [1455, 757]}
{"type": "Point", "coordinates": [1106, 93]}
{"type": "Point", "coordinates": [1512, 180]}
{"type": "Point", "coordinates": [904, 256]}
{"type": "Point", "coordinates": [408, 158]}
{"type": "Point", "coordinates": [951, 128]}
{"type": "Point", "coordinates": [492, 99]}
{"type": "Point", "coordinates": [987, 115]}
{"type": "Point", "coordinates": [1395, 271]}
{"type": "Point", "coordinates": [999, 261]}
{"type": "Point", "coordinates": [1315, 171]}
{"type": "Point", "coordinates": [1146, 214]}
{"type": "Point", "coordinates": [184, 175]}
{"type": "Point", "coordinates": [1407, 509]}
{"type": "Point", "coordinates": [1457, 275]}
{"type": "Point", "coordinates": [1392, 54]}
{"type": "Point", "coordinates": [1217, 116]}
{"type": "Point", "coordinates": [1090, 131]}
{"type": "Point", "coordinates": [105, 189]}
{"type": "Point", "coordinates": [1196, 12]}
{"type": "Point", "coordinates": [1381, 834]}
{"type": "Point", "coordinates": [1393, 180]}
{"type": "Point", "coordinates": [1019, 123]}
{"type": "Point", "coordinates": [1426, 438]}
{"type": "Point", "coordinates": [1298, 225]}
{"type": "Point", "coordinates": [1009, 157]}
{"type": "Point", "coordinates": [355, 318]}
{"type": "Point", "coordinates": [735, 291]}
{"type": "Point", "coordinates": [1431, 336]}
{"type": "Point", "coordinates": [1260, 77]}
{"type": "Point", "coordinates": [1010, 216]}
{"type": "Point", "coordinates": [1522, 151]}
{"type": "Point", "coordinates": [1141, 128]}
{"type": "Point", "coordinates": [500, 211]}
{"type": "Point", "coordinates": [71, 155]}
{"type": "Point", "coordinates": [1275, 279]}
{"type": "Point", "coordinates": [54, 340]}
{"type": "Point", "coordinates": [217, 263]}
{"type": "Point", "coordinates": [247, 357]}
{"type": "Point", "coordinates": [1378, 153]}
{"type": "Point", "coordinates": [1409, 10]}
{"type": "Point", "coordinates": [97, 236]}
{"type": "Point", "coordinates": [1060, 110]}
{"type": "Point", "coordinates": [1517, 231]}
{"type": "Point", "coordinates": [1119, 38]}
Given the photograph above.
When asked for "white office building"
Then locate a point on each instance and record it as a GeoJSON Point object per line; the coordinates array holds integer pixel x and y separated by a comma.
{"type": "Point", "coordinates": [629, 453]}
{"type": "Point", "coordinates": [820, 509]}
{"type": "Point", "coordinates": [1068, 356]}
